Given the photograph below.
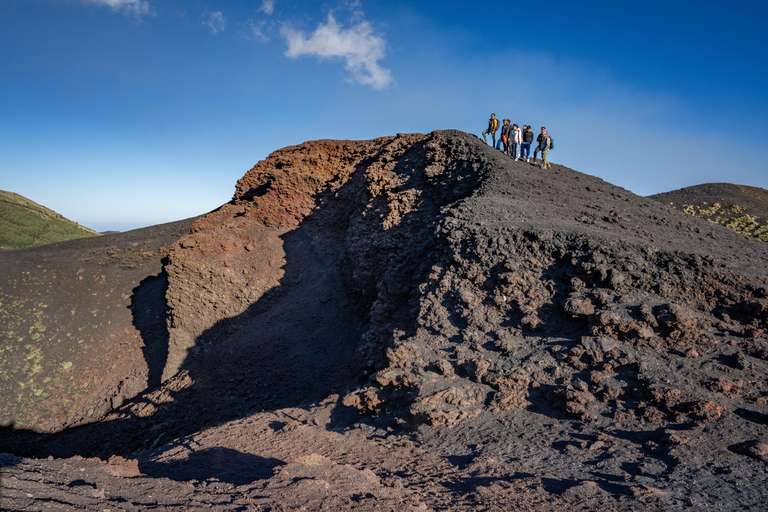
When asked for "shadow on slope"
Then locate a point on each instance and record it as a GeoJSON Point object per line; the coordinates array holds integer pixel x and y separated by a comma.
{"type": "Point", "coordinates": [149, 310]}
{"type": "Point", "coordinates": [293, 346]}
{"type": "Point", "coordinates": [223, 464]}
{"type": "Point", "coordinates": [70, 346]}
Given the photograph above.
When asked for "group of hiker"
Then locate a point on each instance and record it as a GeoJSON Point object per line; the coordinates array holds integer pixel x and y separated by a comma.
{"type": "Point", "coordinates": [517, 142]}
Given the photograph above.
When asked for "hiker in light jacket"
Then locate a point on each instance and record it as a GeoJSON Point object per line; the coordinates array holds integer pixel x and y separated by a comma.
{"type": "Point", "coordinates": [517, 141]}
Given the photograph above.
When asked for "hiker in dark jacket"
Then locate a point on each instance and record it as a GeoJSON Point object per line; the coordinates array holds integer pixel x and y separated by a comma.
{"type": "Point", "coordinates": [506, 135]}
{"type": "Point", "coordinates": [537, 148]}
{"type": "Point", "coordinates": [527, 139]}
{"type": "Point", "coordinates": [493, 125]}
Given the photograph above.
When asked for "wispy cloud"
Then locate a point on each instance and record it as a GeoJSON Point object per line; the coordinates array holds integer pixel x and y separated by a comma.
{"type": "Point", "coordinates": [255, 31]}
{"type": "Point", "coordinates": [357, 45]}
{"type": "Point", "coordinates": [136, 8]}
{"type": "Point", "coordinates": [267, 7]}
{"type": "Point", "coordinates": [215, 21]}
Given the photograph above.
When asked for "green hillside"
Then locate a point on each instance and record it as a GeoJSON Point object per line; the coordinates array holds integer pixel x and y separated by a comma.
{"type": "Point", "coordinates": [24, 223]}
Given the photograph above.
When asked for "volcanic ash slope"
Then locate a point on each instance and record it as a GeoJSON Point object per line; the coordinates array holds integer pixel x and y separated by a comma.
{"type": "Point", "coordinates": [547, 339]}
{"type": "Point", "coordinates": [492, 305]}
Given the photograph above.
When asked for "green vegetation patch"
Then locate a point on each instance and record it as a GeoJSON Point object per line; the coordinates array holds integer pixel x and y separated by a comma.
{"type": "Point", "coordinates": [35, 367]}
{"type": "Point", "coordinates": [24, 223]}
{"type": "Point", "coordinates": [733, 217]}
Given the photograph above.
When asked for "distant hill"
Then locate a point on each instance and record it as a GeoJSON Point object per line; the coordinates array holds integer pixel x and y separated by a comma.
{"type": "Point", "coordinates": [738, 207]}
{"type": "Point", "coordinates": [24, 223]}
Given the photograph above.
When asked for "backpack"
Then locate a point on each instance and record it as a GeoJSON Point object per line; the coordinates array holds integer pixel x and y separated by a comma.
{"type": "Point", "coordinates": [551, 143]}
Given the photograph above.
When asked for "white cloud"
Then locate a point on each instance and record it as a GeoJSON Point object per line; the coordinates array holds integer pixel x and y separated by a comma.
{"type": "Point", "coordinates": [358, 46]}
{"type": "Point", "coordinates": [267, 7]}
{"type": "Point", "coordinates": [137, 8]}
{"type": "Point", "coordinates": [216, 22]}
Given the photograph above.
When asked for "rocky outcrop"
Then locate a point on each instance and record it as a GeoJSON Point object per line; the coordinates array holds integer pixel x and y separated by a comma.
{"type": "Point", "coordinates": [482, 284]}
{"type": "Point", "coordinates": [378, 201]}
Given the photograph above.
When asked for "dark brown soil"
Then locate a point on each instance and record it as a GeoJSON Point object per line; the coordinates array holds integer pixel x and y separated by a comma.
{"type": "Point", "coordinates": [83, 326]}
{"type": "Point", "coordinates": [741, 208]}
{"type": "Point", "coordinates": [420, 323]}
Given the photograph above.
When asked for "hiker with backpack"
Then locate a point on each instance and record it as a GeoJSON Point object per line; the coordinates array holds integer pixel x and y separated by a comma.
{"type": "Point", "coordinates": [545, 144]}
{"type": "Point", "coordinates": [493, 125]}
{"type": "Point", "coordinates": [527, 139]}
{"type": "Point", "coordinates": [506, 134]}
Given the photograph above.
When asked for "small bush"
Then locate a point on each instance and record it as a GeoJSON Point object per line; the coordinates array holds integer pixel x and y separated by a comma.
{"type": "Point", "coordinates": [733, 217]}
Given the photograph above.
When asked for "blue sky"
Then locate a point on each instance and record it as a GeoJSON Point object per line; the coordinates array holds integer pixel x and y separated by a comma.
{"type": "Point", "coordinates": [126, 113]}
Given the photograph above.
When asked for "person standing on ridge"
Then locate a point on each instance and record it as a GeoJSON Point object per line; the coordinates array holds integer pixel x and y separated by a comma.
{"type": "Point", "coordinates": [499, 143]}
{"type": "Point", "coordinates": [517, 140]}
{"type": "Point", "coordinates": [493, 125]}
{"type": "Point", "coordinates": [538, 145]}
{"type": "Point", "coordinates": [506, 135]}
{"type": "Point", "coordinates": [527, 139]}
{"type": "Point", "coordinates": [545, 145]}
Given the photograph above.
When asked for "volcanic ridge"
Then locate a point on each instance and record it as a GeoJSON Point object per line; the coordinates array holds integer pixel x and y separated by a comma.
{"type": "Point", "coordinates": [415, 322]}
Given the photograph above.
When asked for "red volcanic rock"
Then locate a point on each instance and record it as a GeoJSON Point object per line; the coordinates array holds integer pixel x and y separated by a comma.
{"type": "Point", "coordinates": [730, 387]}
{"type": "Point", "coordinates": [755, 449]}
